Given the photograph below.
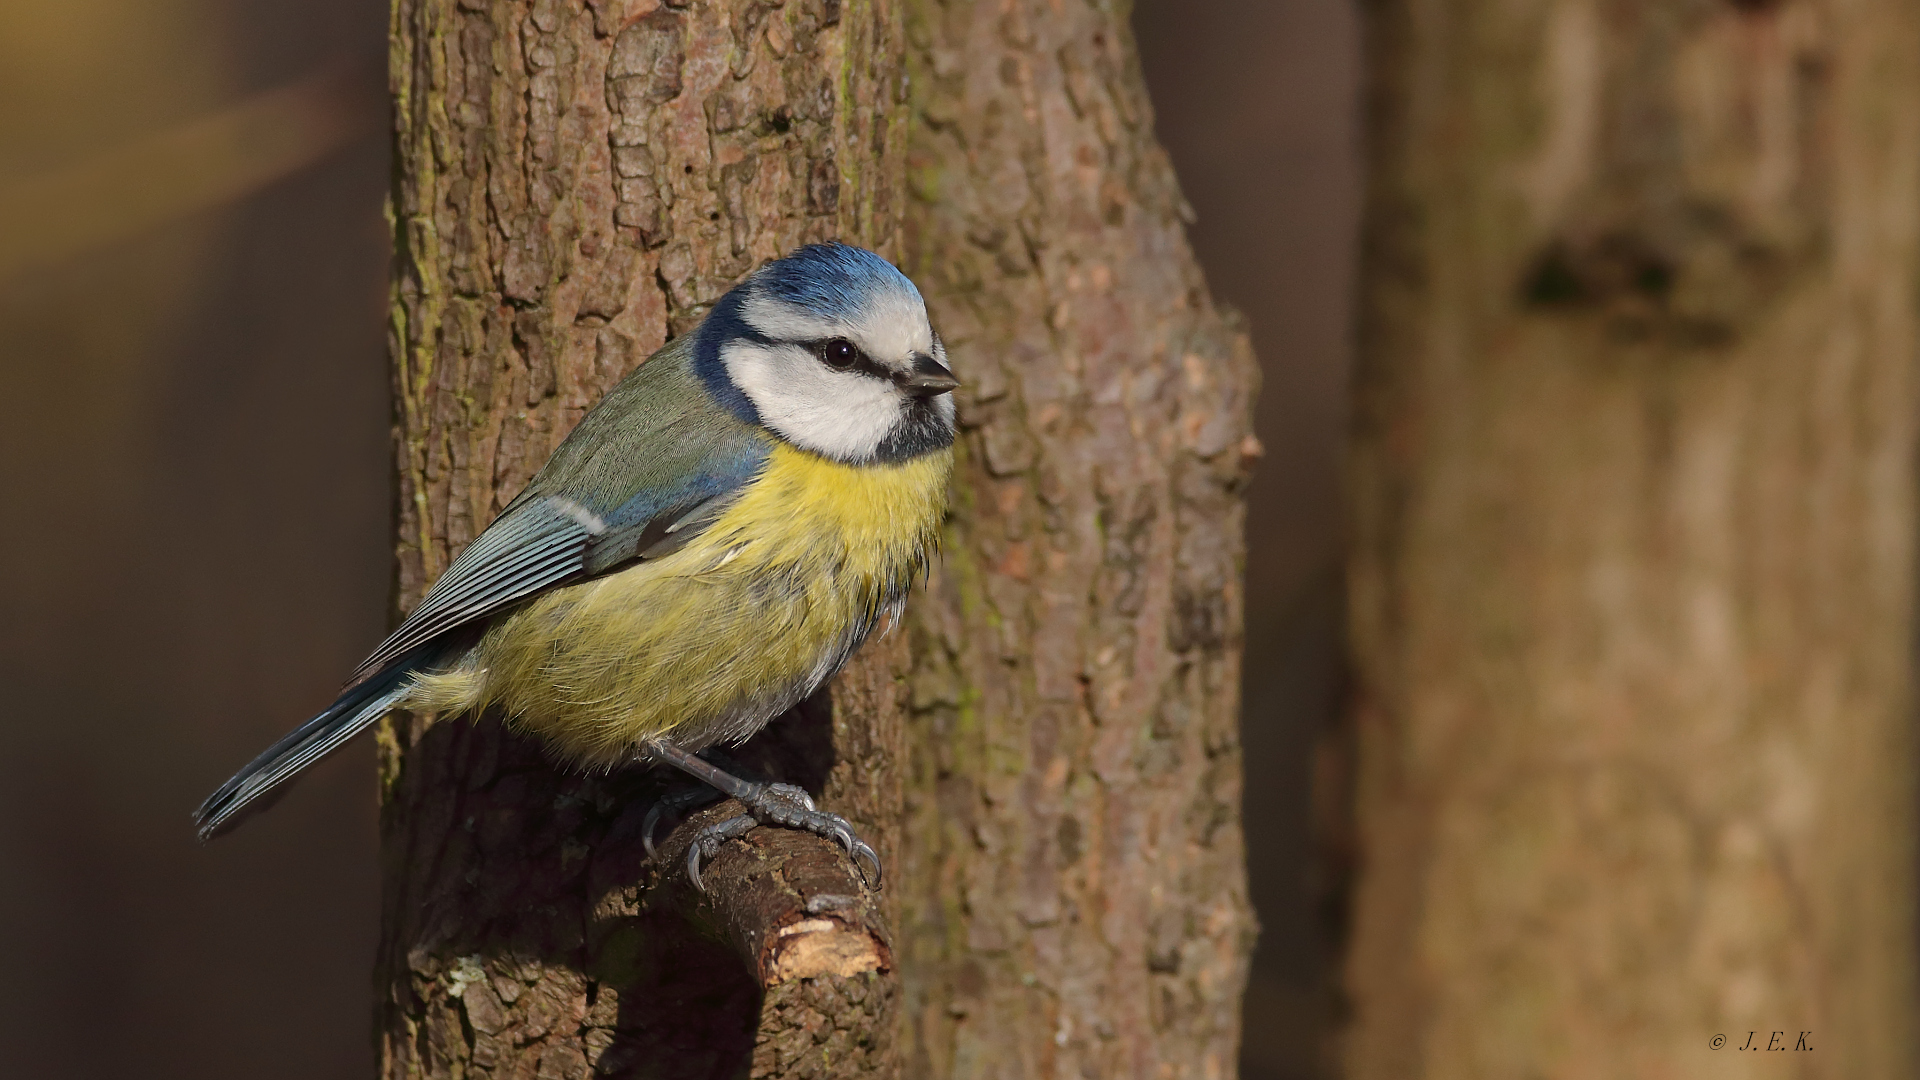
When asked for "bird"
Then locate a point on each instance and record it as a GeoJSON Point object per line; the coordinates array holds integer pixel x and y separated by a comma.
{"type": "Point", "coordinates": [709, 545]}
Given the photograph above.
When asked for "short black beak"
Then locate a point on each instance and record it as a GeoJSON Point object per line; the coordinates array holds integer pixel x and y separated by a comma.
{"type": "Point", "coordinates": [929, 378]}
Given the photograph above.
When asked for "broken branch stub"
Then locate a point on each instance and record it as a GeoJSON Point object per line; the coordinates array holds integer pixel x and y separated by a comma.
{"type": "Point", "coordinates": [791, 904]}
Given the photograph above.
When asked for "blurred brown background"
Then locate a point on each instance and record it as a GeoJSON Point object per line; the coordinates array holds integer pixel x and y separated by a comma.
{"type": "Point", "coordinates": [192, 295]}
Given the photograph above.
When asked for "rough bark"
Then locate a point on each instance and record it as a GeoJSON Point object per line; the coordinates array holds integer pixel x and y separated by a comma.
{"type": "Point", "coordinates": [1634, 538]}
{"type": "Point", "coordinates": [574, 184]}
{"type": "Point", "coordinates": [1074, 896]}
{"type": "Point", "coordinates": [1044, 753]}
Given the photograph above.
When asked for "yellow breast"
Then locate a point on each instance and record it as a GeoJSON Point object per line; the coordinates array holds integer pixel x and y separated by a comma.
{"type": "Point", "coordinates": [877, 515]}
{"type": "Point", "coordinates": [709, 643]}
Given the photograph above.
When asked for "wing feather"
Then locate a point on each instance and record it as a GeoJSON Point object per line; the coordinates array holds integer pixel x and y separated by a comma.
{"type": "Point", "coordinates": [547, 541]}
{"type": "Point", "coordinates": [645, 470]}
{"type": "Point", "coordinates": [536, 545]}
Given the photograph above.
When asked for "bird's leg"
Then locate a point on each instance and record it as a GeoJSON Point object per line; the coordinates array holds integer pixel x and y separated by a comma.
{"type": "Point", "coordinates": [695, 795]}
{"type": "Point", "coordinates": [767, 804]}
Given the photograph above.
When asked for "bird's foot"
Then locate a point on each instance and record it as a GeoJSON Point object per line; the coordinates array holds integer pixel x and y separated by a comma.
{"type": "Point", "coordinates": [767, 804]}
{"type": "Point", "coordinates": [788, 807]}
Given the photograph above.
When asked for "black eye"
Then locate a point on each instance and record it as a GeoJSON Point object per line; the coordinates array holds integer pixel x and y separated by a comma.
{"type": "Point", "coordinates": [839, 353]}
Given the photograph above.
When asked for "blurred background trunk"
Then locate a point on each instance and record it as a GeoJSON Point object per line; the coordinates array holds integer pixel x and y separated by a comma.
{"type": "Point", "coordinates": [574, 187]}
{"type": "Point", "coordinates": [1633, 513]}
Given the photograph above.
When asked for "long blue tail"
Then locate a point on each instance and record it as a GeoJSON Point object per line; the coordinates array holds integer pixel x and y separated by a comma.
{"type": "Point", "coordinates": [352, 713]}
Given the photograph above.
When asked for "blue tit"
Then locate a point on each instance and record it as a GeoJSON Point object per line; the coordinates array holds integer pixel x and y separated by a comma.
{"type": "Point", "coordinates": [708, 547]}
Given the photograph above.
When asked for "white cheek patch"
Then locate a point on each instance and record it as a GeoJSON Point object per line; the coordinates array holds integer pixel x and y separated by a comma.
{"type": "Point", "coordinates": [842, 414]}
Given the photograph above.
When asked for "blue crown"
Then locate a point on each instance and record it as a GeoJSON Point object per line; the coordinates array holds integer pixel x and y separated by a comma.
{"type": "Point", "coordinates": [831, 279]}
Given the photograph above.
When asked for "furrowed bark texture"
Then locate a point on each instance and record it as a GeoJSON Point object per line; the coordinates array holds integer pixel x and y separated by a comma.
{"type": "Point", "coordinates": [576, 183]}
{"type": "Point", "coordinates": [1634, 522]}
{"type": "Point", "coordinates": [1074, 899]}
{"type": "Point", "coordinates": [1044, 753]}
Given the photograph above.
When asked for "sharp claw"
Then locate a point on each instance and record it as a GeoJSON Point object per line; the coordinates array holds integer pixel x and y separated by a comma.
{"type": "Point", "coordinates": [862, 850]}
{"type": "Point", "coordinates": [646, 830]}
{"type": "Point", "coordinates": [693, 866]}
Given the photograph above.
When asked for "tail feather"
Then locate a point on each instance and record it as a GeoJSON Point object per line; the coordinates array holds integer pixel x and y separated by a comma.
{"type": "Point", "coordinates": [352, 713]}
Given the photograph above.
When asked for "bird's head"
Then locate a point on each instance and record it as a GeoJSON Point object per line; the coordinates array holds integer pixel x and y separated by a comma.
{"type": "Point", "coordinates": [831, 350]}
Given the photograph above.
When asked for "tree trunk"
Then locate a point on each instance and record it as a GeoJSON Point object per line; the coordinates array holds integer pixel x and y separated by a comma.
{"type": "Point", "coordinates": [1058, 810]}
{"type": "Point", "coordinates": [1634, 540]}
{"type": "Point", "coordinates": [575, 185]}
{"type": "Point", "coordinates": [1074, 900]}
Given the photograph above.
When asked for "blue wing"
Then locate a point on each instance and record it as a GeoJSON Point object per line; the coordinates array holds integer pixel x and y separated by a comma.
{"type": "Point", "coordinates": [648, 469]}
{"type": "Point", "coordinates": [535, 545]}
{"type": "Point", "coordinates": [547, 541]}
{"type": "Point", "coordinates": [645, 468]}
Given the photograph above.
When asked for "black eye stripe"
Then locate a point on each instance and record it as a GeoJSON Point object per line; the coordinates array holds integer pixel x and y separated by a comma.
{"type": "Point", "coordinates": [833, 352]}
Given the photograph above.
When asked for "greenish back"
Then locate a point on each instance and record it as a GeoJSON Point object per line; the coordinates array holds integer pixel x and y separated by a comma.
{"type": "Point", "coordinates": [656, 440]}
